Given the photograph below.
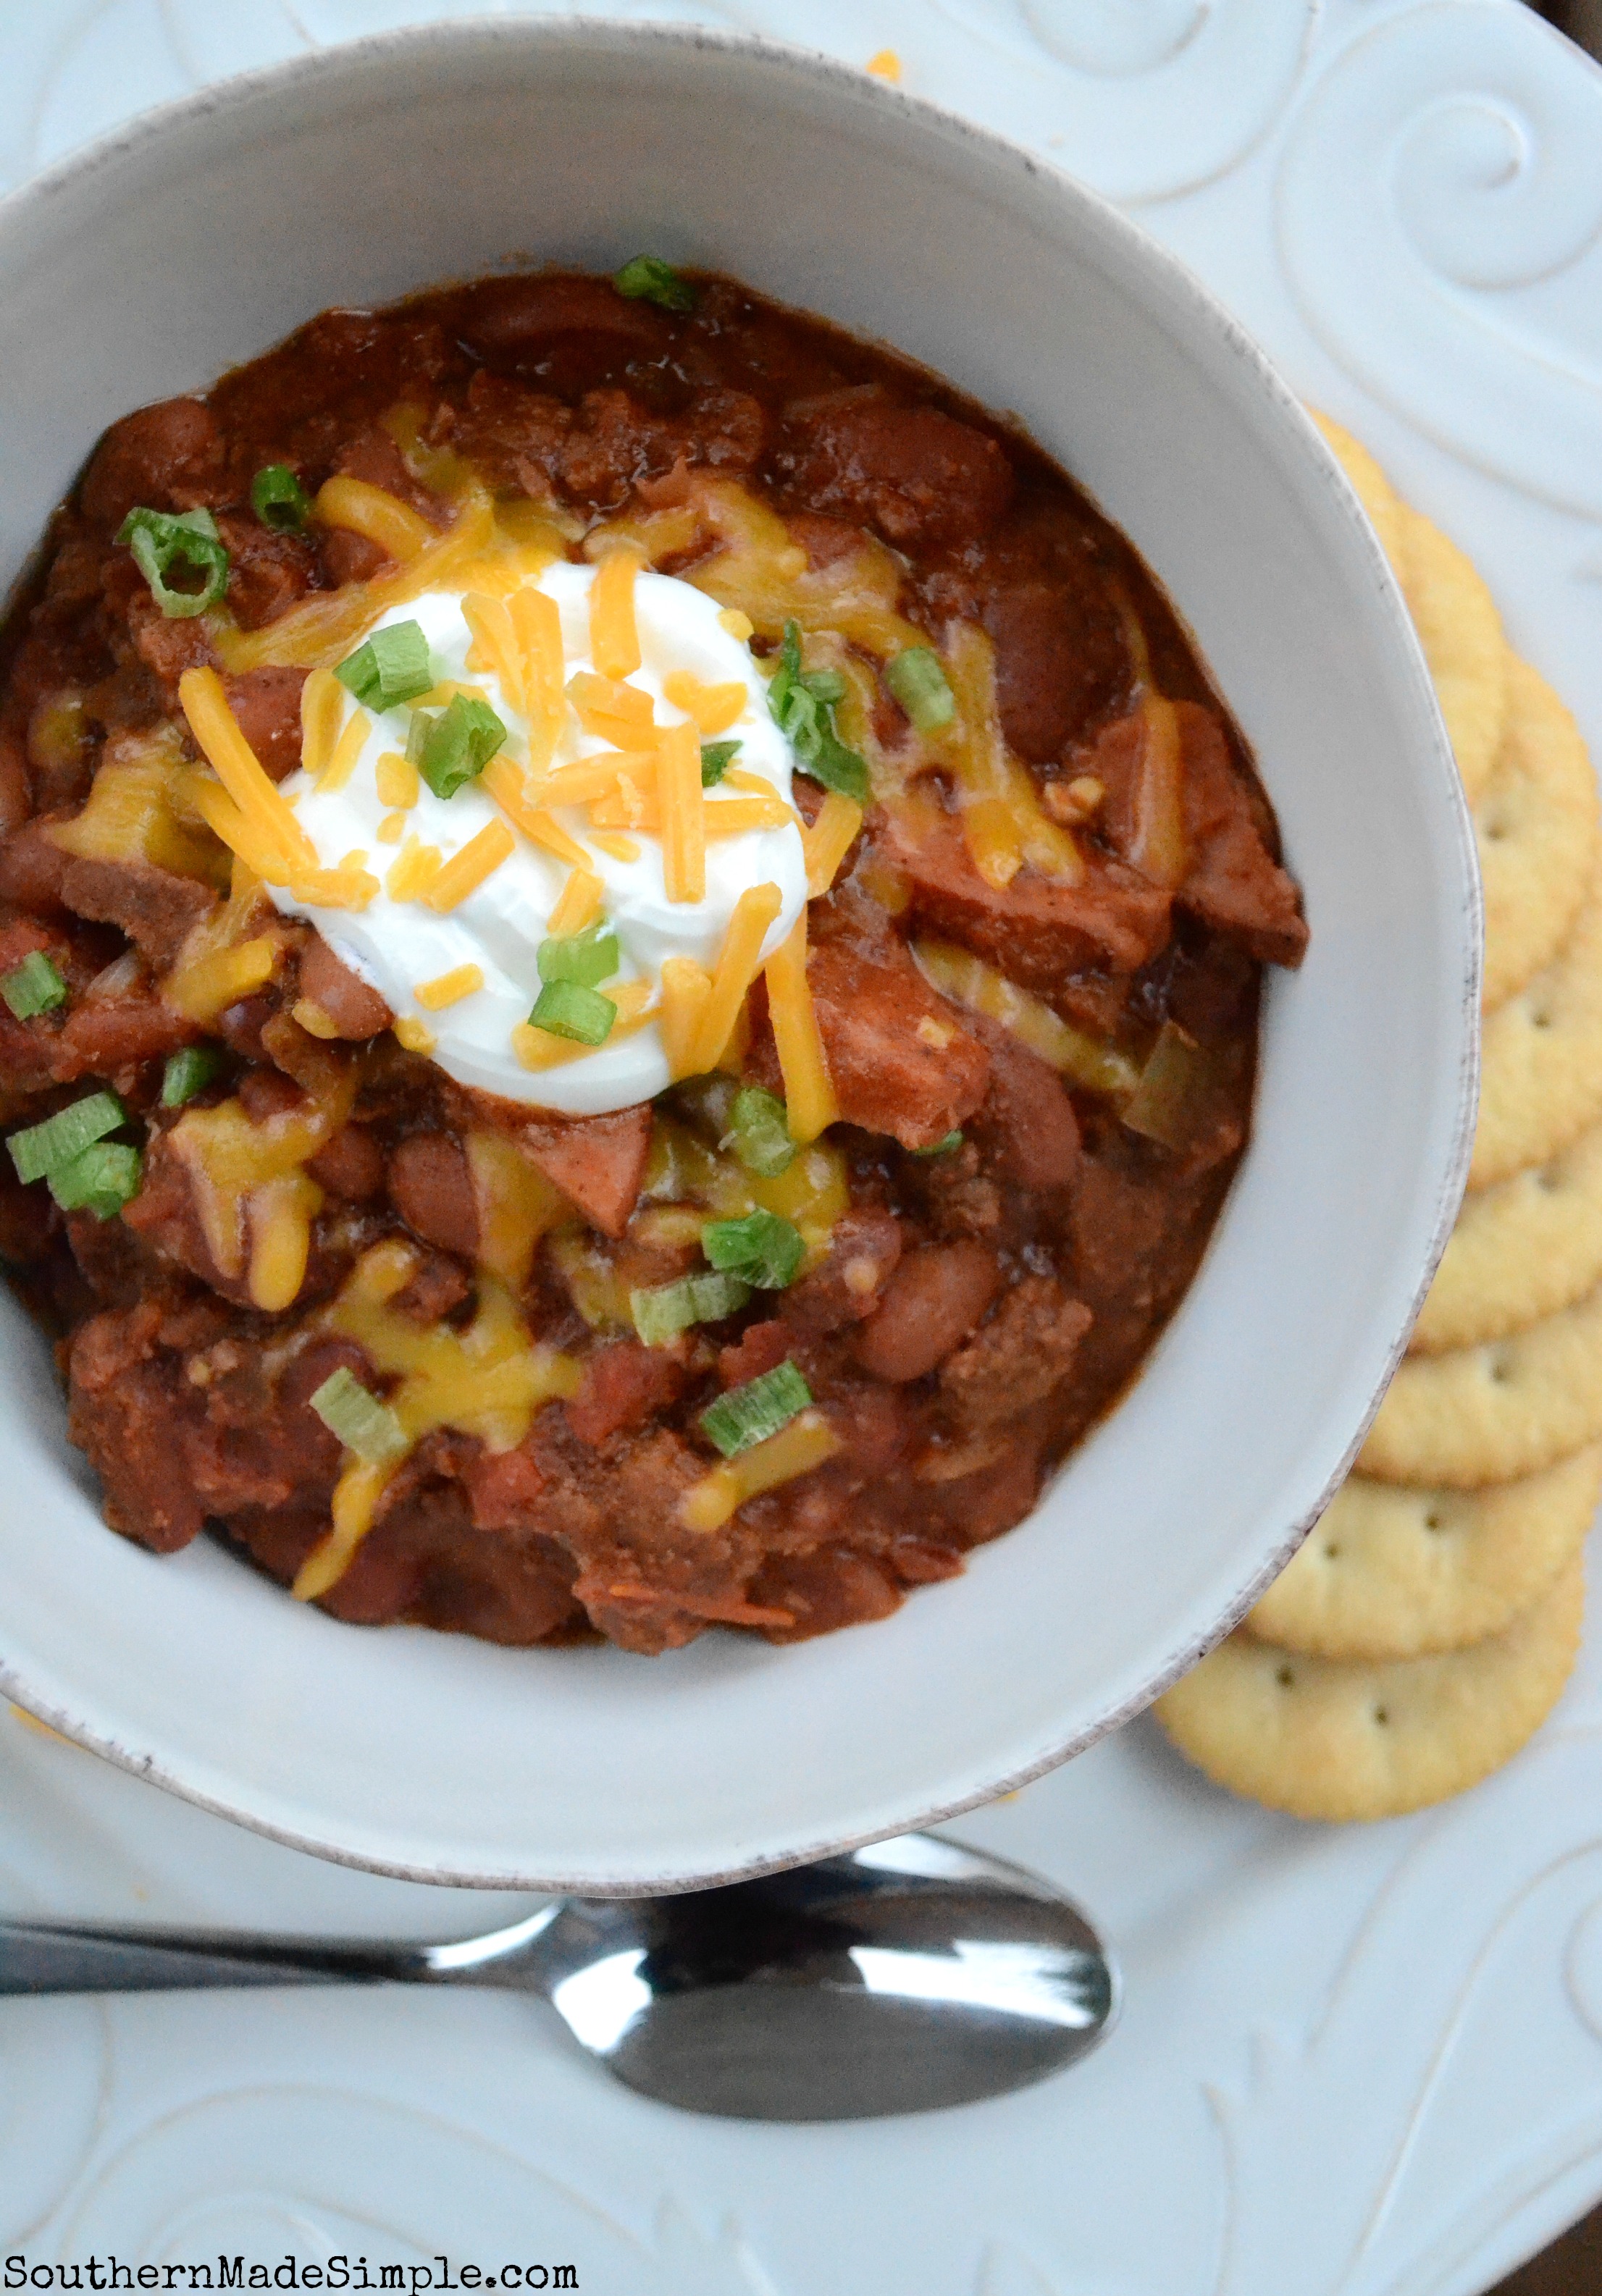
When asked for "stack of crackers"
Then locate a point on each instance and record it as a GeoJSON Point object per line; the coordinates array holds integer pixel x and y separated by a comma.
{"type": "Point", "coordinates": [1429, 1621]}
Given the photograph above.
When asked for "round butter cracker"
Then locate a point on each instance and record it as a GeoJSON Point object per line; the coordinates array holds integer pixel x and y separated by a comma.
{"type": "Point", "coordinates": [1369, 483]}
{"type": "Point", "coordinates": [1541, 1059]}
{"type": "Point", "coordinates": [1489, 1413]}
{"type": "Point", "coordinates": [1536, 829]}
{"type": "Point", "coordinates": [1391, 1572]}
{"type": "Point", "coordinates": [1525, 1249]}
{"type": "Point", "coordinates": [1461, 634]}
{"type": "Point", "coordinates": [1341, 1740]}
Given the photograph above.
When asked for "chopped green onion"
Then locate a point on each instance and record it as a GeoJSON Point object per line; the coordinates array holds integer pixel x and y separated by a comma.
{"type": "Point", "coordinates": [567, 1008]}
{"type": "Point", "coordinates": [188, 1071]}
{"type": "Point", "coordinates": [33, 987]}
{"type": "Point", "coordinates": [423, 724]}
{"type": "Point", "coordinates": [45, 1147]}
{"type": "Point", "coordinates": [920, 685]}
{"type": "Point", "coordinates": [801, 704]}
{"type": "Point", "coordinates": [589, 957]}
{"type": "Point", "coordinates": [279, 500]}
{"type": "Point", "coordinates": [662, 1313]}
{"type": "Point", "coordinates": [390, 667]}
{"type": "Point", "coordinates": [760, 1133]}
{"type": "Point", "coordinates": [648, 279]}
{"type": "Point", "coordinates": [763, 1250]}
{"type": "Point", "coordinates": [716, 758]}
{"type": "Point", "coordinates": [101, 1180]}
{"type": "Point", "coordinates": [362, 1422]}
{"type": "Point", "coordinates": [953, 1140]}
{"type": "Point", "coordinates": [839, 768]}
{"type": "Point", "coordinates": [159, 542]}
{"type": "Point", "coordinates": [459, 744]}
{"type": "Point", "coordinates": [751, 1414]}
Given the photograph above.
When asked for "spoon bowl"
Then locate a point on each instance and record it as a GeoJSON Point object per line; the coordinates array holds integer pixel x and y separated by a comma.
{"type": "Point", "coordinates": [901, 1978]}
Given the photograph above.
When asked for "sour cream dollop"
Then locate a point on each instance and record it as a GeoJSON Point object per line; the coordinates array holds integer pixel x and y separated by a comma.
{"type": "Point", "coordinates": [396, 946]}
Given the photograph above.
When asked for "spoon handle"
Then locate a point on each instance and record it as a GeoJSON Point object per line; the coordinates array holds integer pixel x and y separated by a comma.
{"type": "Point", "coordinates": [45, 1958]}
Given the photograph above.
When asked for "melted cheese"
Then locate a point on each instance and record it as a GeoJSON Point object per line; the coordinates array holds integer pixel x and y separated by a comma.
{"type": "Point", "coordinates": [795, 1450]}
{"type": "Point", "coordinates": [376, 515]}
{"type": "Point", "coordinates": [958, 974]}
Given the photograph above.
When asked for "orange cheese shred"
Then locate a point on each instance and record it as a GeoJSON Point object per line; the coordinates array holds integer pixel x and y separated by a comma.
{"type": "Point", "coordinates": [376, 515]}
{"type": "Point", "coordinates": [808, 1094]}
{"type": "Point", "coordinates": [614, 641]}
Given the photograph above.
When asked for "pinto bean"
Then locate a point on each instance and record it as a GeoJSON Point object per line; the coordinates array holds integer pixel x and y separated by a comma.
{"type": "Point", "coordinates": [934, 1300]}
{"type": "Point", "coordinates": [351, 1165]}
{"type": "Point", "coordinates": [1060, 663]}
{"type": "Point", "coordinates": [356, 1011]}
{"type": "Point", "coordinates": [431, 1189]}
{"type": "Point", "coordinates": [164, 457]}
{"type": "Point", "coordinates": [919, 474]}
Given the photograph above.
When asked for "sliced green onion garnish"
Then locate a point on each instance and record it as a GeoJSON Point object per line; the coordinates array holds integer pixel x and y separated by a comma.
{"type": "Point", "coordinates": [751, 1414]}
{"type": "Point", "coordinates": [716, 758]}
{"type": "Point", "coordinates": [423, 724]}
{"type": "Point", "coordinates": [101, 1180]}
{"type": "Point", "coordinates": [763, 1250]}
{"type": "Point", "coordinates": [920, 685]}
{"type": "Point", "coordinates": [648, 279]}
{"type": "Point", "coordinates": [588, 958]}
{"type": "Point", "coordinates": [568, 1009]}
{"type": "Point", "coordinates": [188, 1071]}
{"type": "Point", "coordinates": [279, 500]}
{"type": "Point", "coordinates": [759, 1132]}
{"type": "Point", "coordinates": [801, 706]}
{"type": "Point", "coordinates": [45, 1148]}
{"type": "Point", "coordinates": [33, 987]}
{"type": "Point", "coordinates": [362, 1422]}
{"type": "Point", "coordinates": [459, 743]}
{"type": "Point", "coordinates": [159, 542]}
{"type": "Point", "coordinates": [390, 667]}
{"type": "Point", "coordinates": [662, 1313]}
{"type": "Point", "coordinates": [941, 1147]}
{"type": "Point", "coordinates": [839, 768]}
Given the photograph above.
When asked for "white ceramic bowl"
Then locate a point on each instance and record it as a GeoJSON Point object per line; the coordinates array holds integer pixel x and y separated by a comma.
{"type": "Point", "coordinates": [203, 235]}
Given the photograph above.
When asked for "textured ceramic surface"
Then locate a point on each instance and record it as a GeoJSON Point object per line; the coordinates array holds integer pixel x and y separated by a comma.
{"type": "Point", "coordinates": [1361, 2063]}
{"type": "Point", "coordinates": [193, 245]}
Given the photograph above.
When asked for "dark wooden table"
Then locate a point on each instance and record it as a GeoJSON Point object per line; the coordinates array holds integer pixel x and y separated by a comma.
{"type": "Point", "coordinates": [1574, 2266]}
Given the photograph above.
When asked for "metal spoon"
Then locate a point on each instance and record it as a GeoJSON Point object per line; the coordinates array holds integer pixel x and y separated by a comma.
{"type": "Point", "coordinates": [898, 1978]}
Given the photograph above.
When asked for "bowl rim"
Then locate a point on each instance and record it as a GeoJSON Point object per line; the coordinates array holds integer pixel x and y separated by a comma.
{"type": "Point", "coordinates": [351, 60]}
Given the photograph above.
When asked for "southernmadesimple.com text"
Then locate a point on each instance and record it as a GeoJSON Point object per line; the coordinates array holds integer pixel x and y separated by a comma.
{"type": "Point", "coordinates": [352, 2272]}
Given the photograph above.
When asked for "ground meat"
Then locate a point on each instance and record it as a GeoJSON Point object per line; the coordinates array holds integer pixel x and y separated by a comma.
{"type": "Point", "coordinates": [267, 573]}
{"type": "Point", "coordinates": [1025, 1350]}
{"type": "Point", "coordinates": [624, 1385]}
{"type": "Point", "coordinates": [128, 1403]}
{"type": "Point", "coordinates": [847, 1283]}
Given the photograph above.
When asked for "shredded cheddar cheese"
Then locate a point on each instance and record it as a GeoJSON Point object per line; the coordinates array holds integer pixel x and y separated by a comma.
{"type": "Point", "coordinates": [342, 761]}
{"type": "Point", "coordinates": [829, 840]}
{"type": "Point", "coordinates": [415, 872]}
{"type": "Point", "coordinates": [539, 1048]}
{"type": "Point", "coordinates": [536, 624]}
{"type": "Point", "coordinates": [210, 984]}
{"type": "Point", "coordinates": [711, 708]}
{"type": "Point", "coordinates": [450, 987]}
{"type": "Point", "coordinates": [322, 709]}
{"type": "Point", "coordinates": [374, 514]}
{"type": "Point", "coordinates": [810, 1099]}
{"type": "Point", "coordinates": [735, 970]}
{"type": "Point", "coordinates": [686, 988]}
{"type": "Point", "coordinates": [398, 782]}
{"type": "Point", "coordinates": [968, 980]}
{"type": "Point", "coordinates": [310, 1016]}
{"type": "Point", "coordinates": [410, 1032]}
{"type": "Point", "coordinates": [216, 729]}
{"type": "Point", "coordinates": [496, 647]}
{"type": "Point", "coordinates": [466, 871]}
{"type": "Point", "coordinates": [614, 642]}
{"type": "Point", "coordinates": [795, 1450]}
{"type": "Point", "coordinates": [577, 904]}
{"type": "Point", "coordinates": [505, 784]}
{"type": "Point", "coordinates": [515, 1203]}
{"type": "Point", "coordinates": [681, 800]}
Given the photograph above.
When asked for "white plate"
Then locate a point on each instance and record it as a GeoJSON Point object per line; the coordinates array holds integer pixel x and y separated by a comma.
{"type": "Point", "coordinates": [1362, 2061]}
